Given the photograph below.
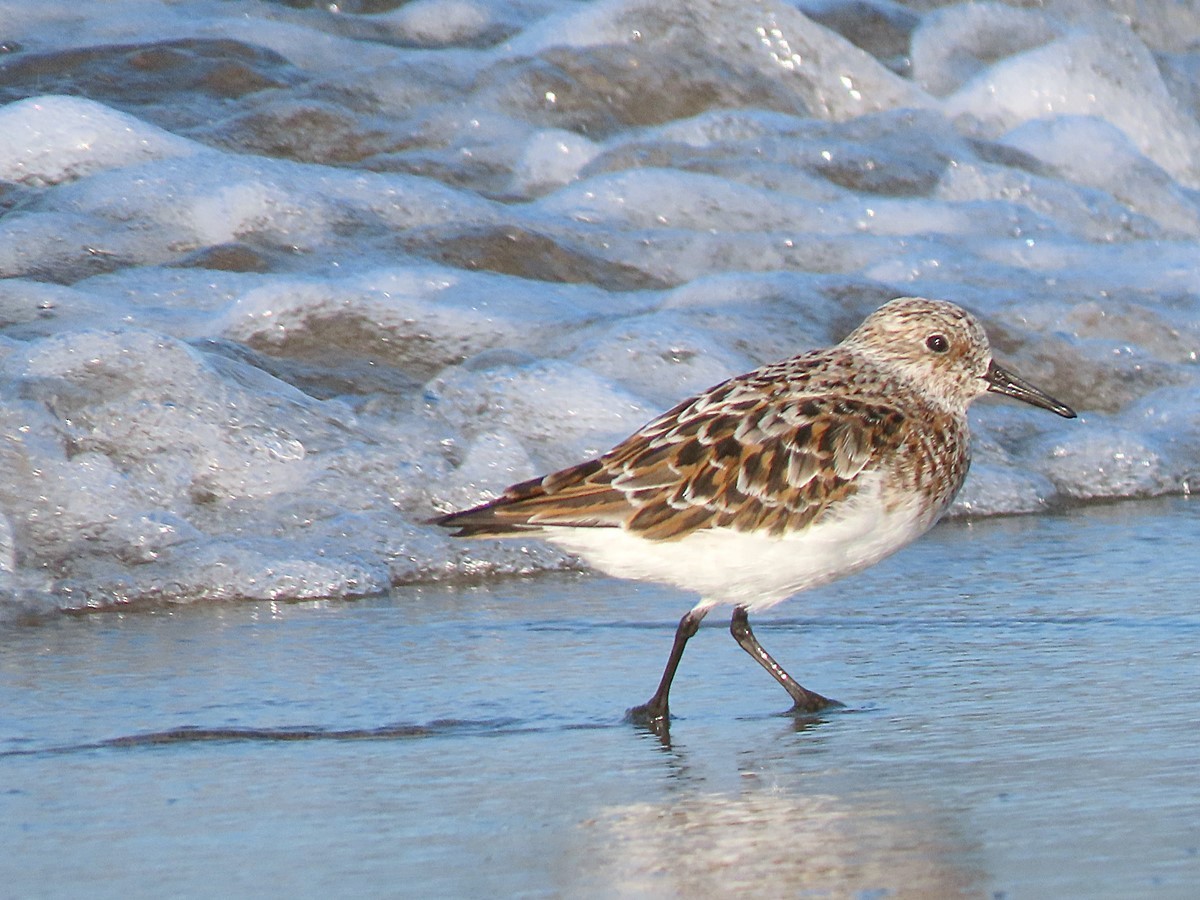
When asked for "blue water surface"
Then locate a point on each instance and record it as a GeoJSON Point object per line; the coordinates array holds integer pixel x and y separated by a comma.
{"type": "Point", "coordinates": [1021, 720]}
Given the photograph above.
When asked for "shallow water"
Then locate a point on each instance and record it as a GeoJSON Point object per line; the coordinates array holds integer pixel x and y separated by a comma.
{"type": "Point", "coordinates": [1021, 721]}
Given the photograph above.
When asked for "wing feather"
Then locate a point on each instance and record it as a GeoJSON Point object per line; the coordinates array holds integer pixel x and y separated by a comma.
{"type": "Point", "coordinates": [746, 456]}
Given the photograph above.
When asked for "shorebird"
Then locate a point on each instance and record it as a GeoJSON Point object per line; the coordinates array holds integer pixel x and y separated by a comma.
{"type": "Point", "coordinates": [778, 480]}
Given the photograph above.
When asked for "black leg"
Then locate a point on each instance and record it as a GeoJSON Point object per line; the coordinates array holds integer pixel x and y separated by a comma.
{"type": "Point", "coordinates": [654, 711]}
{"type": "Point", "coordinates": [805, 700]}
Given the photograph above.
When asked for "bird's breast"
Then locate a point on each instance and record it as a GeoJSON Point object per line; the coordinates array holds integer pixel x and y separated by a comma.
{"type": "Point", "coordinates": [930, 466]}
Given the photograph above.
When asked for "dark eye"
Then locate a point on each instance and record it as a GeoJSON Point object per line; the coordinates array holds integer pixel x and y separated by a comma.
{"type": "Point", "coordinates": [937, 343]}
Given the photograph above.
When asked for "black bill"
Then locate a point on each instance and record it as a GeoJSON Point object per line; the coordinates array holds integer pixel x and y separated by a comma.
{"type": "Point", "coordinates": [1002, 381]}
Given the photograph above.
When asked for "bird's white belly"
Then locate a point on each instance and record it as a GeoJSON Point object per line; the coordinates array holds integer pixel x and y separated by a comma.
{"type": "Point", "coordinates": [755, 570]}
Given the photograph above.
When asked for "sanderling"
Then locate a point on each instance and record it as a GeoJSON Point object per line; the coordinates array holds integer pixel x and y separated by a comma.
{"type": "Point", "coordinates": [774, 481]}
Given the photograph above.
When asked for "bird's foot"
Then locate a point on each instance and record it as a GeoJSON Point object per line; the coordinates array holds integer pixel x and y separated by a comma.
{"type": "Point", "coordinates": [652, 715]}
{"type": "Point", "coordinates": [809, 702]}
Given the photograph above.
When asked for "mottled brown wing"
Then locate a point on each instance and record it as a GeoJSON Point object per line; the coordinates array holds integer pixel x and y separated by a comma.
{"type": "Point", "coordinates": [770, 466]}
{"type": "Point", "coordinates": [740, 457]}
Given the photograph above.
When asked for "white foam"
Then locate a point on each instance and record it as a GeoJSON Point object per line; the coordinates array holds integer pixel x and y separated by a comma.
{"type": "Point", "coordinates": [180, 205]}
{"type": "Point", "coordinates": [1058, 207]}
{"type": "Point", "coordinates": [215, 198]}
{"type": "Point", "coordinates": [720, 126]}
{"type": "Point", "coordinates": [180, 433]}
{"type": "Point", "coordinates": [8, 549]}
{"type": "Point", "coordinates": [47, 140]}
{"type": "Point", "coordinates": [659, 357]}
{"type": "Point", "coordinates": [167, 415]}
{"type": "Point", "coordinates": [421, 318]}
{"type": "Point", "coordinates": [436, 22]}
{"type": "Point", "coordinates": [564, 413]}
{"type": "Point", "coordinates": [1110, 75]}
{"type": "Point", "coordinates": [836, 79]}
{"type": "Point", "coordinates": [1101, 463]}
{"type": "Point", "coordinates": [953, 44]}
{"type": "Point", "coordinates": [1093, 152]}
{"type": "Point", "coordinates": [551, 159]}
{"type": "Point", "coordinates": [1002, 489]}
{"type": "Point", "coordinates": [606, 22]}
{"type": "Point", "coordinates": [650, 198]}
{"type": "Point", "coordinates": [32, 308]}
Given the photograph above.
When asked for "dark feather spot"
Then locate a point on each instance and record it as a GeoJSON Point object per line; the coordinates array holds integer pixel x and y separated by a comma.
{"type": "Point", "coordinates": [727, 447]}
{"type": "Point", "coordinates": [703, 487]}
{"type": "Point", "coordinates": [777, 473]}
{"type": "Point", "coordinates": [750, 467]}
{"type": "Point", "coordinates": [689, 454]}
{"type": "Point", "coordinates": [650, 516]}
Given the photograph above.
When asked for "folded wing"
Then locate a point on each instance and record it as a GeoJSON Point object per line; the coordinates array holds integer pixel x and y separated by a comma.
{"type": "Point", "coordinates": [740, 456]}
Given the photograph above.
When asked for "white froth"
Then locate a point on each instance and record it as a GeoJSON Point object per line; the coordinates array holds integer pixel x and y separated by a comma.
{"type": "Point", "coordinates": [226, 371]}
{"type": "Point", "coordinates": [1112, 464]}
{"type": "Point", "coordinates": [47, 140]}
{"type": "Point", "coordinates": [563, 413]}
{"type": "Point", "coordinates": [837, 80]}
{"type": "Point", "coordinates": [650, 198]}
{"type": "Point", "coordinates": [438, 22]}
{"type": "Point", "coordinates": [551, 159]}
{"type": "Point", "coordinates": [957, 42]}
{"type": "Point", "coordinates": [1056, 206]}
{"type": "Point", "coordinates": [660, 357]}
{"type": "Point", "coordinates": [1092, 151]}
{"type": "Point", "coordinates": [1110, 75]}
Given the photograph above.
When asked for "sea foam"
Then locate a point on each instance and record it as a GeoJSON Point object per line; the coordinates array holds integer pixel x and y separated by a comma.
{"type": "Point", "coordinates": [281, 283]}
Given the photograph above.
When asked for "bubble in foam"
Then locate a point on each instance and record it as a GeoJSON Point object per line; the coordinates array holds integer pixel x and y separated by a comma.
{"type": "Point", "coordinates": [552, 158]}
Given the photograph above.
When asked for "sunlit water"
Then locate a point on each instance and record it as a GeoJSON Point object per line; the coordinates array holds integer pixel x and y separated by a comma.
{"type": "Point", "coordinates": [1021, 721]}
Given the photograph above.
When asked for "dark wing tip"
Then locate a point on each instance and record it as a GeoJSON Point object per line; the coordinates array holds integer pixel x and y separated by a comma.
{"type": "Point", "coordinates": [561, 498]}
{"type": "Point", "coordinates": [480, 521]}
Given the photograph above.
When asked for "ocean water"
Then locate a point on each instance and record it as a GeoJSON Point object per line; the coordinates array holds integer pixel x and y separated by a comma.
{"type": "Point", "coordinates": [281, 280]}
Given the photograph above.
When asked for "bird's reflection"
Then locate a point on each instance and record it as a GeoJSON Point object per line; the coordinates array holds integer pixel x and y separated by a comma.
{"type": "Point", "coordinates": [763, 842]}
{"type": "Point", "coordinates": [773, 818]}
